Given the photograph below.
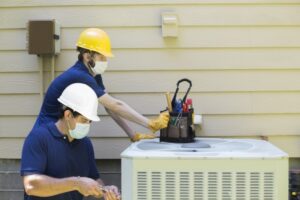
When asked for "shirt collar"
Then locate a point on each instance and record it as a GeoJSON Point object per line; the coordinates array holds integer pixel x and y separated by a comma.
{"type": "Point", "coordinates": [81, 66]}
{"type": "Point", "coordinates": [56, 133]}
{"type": "Point", "coordinates": [54, 130]}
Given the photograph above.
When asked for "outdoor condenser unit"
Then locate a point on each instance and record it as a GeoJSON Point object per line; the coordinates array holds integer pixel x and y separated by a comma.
{"type": "Point", "coordinates": [208, 169]}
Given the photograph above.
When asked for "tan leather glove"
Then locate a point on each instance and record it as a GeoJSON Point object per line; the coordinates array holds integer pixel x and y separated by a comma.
{"type": "Point", "coordinates": [141, 136]}
{"type": "Point", "coordinates": [160, 122]}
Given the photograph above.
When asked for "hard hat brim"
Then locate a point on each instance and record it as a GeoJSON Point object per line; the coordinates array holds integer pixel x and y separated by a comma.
{"type": "Point", "coordinates": [94, 118]}
{"type": "Point", "coordinates": [106, 54]}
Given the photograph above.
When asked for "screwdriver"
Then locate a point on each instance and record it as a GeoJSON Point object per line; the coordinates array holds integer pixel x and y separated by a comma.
{"type": "Point", "coordinates": [169, 102]}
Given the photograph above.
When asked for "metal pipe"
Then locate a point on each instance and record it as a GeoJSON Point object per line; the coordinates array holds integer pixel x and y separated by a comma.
{"type": "Point", "coordinates": [41, 74]}
{"type": "Point", "coordinates": [52, 67]}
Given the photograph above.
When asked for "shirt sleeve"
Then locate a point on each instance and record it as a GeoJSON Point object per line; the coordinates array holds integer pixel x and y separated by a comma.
{"type": "Point", "coordinates": [34, 157]}
{"type": "Point", "coordinates": [99, 80]}
{"type": "Point", "coordinates": [93, 173]}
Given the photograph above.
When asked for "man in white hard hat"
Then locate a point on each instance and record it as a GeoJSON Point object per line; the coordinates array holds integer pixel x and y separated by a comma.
{"type": "Point", "coordinates": [58, 159]}
{"type": "Point", "coordinates": [94, 49]}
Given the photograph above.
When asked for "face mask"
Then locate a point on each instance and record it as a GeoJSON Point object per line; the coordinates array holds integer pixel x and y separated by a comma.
{"type": "Point", "coordinates": [100, 67]}
{"type": "Point", "coordinates": [80, 131]}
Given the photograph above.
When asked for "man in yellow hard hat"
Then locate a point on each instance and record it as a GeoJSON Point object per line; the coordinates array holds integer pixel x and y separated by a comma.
{"type": "Point", "coordinates": [94, 49]}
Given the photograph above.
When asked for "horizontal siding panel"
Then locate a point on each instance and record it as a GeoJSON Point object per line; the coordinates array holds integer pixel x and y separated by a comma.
{"type": "Point", "coordinates": [184, 59]}
{"type": "Point", "coordinates": [213, 125]}
{"type": "Point", "coordinates": [152, 104]}
{"type": "Point", "coordinates": [249, 125]}
{"type": "Point", "coordinates": [189, 37]}
{"type": "Point", "coordinates": [220, 103]}
{"type": "Point", "coordinates": [165, 59]}
{"type": "Point", "coordinates": [24, 105]}
{"type": "Point", "coordinates": [20, 126]}
{"type": "Point", "coordinates": [135, 15]}
{"type": "Point", "coordinates": [195, 37]}
{"type": "Point", "coordinates": [111, 148]}
{"type": "Point", "coordinates": [19, 83]}
{"type": "Point", "coordinates": [204, 81]}
{"type": "Point", "coordinates": [46, 3]}
{"type": "Point", "coordinates": [18, 61]}
{"type": "Point", "coordinates": [15, 126]}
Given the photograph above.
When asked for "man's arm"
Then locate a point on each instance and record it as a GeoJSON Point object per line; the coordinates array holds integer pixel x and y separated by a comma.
{"type": "Point", "coordinates": [46, 186]}
{"type": "Point", "coordinates": [122, 123]}
{"type": "Point", "coordinates": [123, 110]}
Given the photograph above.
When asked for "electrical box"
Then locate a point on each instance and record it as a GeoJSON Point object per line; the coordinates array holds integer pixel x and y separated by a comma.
{"type": "Point", "coordinates": [43, 37]}
{"type": "Point", "coordinates": [169, 24]}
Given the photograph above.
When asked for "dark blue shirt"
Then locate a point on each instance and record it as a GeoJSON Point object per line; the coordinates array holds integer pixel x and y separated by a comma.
{"type": "Point", "coordinates": [46, 151]}
{"type": "Point", "coordinates": [76, 74]}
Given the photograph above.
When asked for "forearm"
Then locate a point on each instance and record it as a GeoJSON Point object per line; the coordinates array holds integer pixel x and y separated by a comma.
{"type": "Point", "coordinates": [122, 109]}
{"type": "Point", "coordinates": [45, 186]}
{"type": "Point", "coordinates": [121, 122]}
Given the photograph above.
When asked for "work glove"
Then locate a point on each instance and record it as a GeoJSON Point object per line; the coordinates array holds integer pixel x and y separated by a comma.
{"type": "Point", "coordinates": [160, 122]}
{"type": "Point", "coordinates": [141, 136]}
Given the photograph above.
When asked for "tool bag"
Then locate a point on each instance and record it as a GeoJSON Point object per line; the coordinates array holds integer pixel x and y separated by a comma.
{"type": "Point", "coordinates": [180, 128]}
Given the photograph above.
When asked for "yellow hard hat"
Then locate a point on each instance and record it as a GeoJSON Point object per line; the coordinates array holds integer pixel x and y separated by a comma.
{"type": "Point", "coordinates": [95, 39]}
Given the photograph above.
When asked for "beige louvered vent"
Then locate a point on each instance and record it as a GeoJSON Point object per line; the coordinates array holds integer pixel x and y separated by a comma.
{"type": "Point", "coordinates": [205, 185]}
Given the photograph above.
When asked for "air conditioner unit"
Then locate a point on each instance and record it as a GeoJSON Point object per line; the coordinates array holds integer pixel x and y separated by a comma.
{"type": "Point", "coordinates": [208, 169]}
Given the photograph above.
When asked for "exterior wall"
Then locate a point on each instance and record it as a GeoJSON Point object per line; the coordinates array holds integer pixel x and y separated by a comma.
{"type": "Point", "coordinates": [242, 56]}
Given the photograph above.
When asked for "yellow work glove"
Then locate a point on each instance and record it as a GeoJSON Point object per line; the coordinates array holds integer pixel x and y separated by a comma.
{"type": "Point", "coordinates": [160, 122]}
{"type": "Point", "coordinates": [141, 136]}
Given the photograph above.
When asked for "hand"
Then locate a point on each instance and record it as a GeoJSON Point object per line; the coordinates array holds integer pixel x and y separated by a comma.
{"type": "Point", "coordinates": [141, 136]}
{"type": "Point", "coordinates": [160, 122]}
{"type": "Point", "coordinates": [112, 193]}
{"type": "Point", "coordinates": [89, 187]}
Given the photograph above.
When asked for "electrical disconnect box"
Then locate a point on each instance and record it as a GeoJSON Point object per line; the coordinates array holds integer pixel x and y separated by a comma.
{"type": "Point", "coordinates": [169, 24]}
{"type": "Point", "coordinates": [43, 37]}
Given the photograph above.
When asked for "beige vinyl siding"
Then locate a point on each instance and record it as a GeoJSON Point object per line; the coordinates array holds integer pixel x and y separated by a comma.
{"type": "Point", "coordinates": [243, 58]}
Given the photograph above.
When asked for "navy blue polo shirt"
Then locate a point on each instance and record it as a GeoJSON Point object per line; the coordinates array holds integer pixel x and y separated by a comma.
{"type": "Point", "coordinates": [78, 73]}
{"type": "Point", "coordinates": [47, 151]}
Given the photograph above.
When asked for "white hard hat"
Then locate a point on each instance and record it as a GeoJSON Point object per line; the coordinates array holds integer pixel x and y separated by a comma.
{"type": "Point", "coordinates": [82, 99]}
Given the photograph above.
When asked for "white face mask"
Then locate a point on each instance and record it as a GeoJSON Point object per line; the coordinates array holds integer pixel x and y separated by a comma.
{"type": "Point", "coordinates": [80, 131]}
{"type": "Point", "coordinates": [100, 67]}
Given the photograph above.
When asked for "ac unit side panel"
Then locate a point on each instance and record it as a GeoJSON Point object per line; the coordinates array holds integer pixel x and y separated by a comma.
{"type": "Point", "coordinates": [220, 179]}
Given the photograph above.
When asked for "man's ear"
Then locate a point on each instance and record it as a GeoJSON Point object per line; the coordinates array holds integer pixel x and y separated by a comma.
{"type": "Point", "coordinates": [67, 114]}
{"type": "Point", "coordinates": [86, 56]}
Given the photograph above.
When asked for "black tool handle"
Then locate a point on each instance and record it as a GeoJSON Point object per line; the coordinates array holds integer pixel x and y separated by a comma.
{"type": "Point", "coordinates": [177, 89]}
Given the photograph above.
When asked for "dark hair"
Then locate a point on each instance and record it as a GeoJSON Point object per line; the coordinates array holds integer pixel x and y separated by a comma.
{"type": "Point", "coordinates": [83, 51]}
{"type": "Point", "coordinates": [62, 110]}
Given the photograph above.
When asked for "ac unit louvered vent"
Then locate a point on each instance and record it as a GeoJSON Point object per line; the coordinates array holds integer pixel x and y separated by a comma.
{"type": "Point", "coordinates": [212, 186]}
{"type": "Point", "coordinates": [198, 185]}
{"type": "Point", "coordinates": [170, 186]}
{"type": "Point", "coordinates": [268, 186]}
{"type": "Point", "coordinates": [226, 186]}
{"type": "Point", "coordinates": [142, 185]}
{"type": "Point", "coordinates": [240, 185]}
{"type": "Point", "coordinates": [184, 185]}
{"type": "Point", "coordinates": [254, 185]}
{"type": "Point", "coordinates": [156, 185]}
{"type": "Point", "coordinates": [205, 185]}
